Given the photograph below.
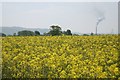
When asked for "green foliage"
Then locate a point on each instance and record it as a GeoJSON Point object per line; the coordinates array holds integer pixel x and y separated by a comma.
{"type": "Point", "coordinates": [14, 34]}
{"type": "Point", "coordinates": [85, 35]}
{"type": "Point", "coordinates": [68, 32]}
{"type": "Point", "coordinates": [37, 33]}
{"type": "Point", "coordinates": [55, 30]}
{"type": "Point", "coordinates": [26, 33]}
{"type": "Point", "coordinates": [2, 34]}
{"type": "Point", "coordinates": [92, 34]}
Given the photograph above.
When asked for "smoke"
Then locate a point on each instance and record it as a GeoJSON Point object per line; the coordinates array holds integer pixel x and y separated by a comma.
{"type": "Point", "coordinates": [100, 19]}
{"type": "Point", "coordinates": [100, 16]}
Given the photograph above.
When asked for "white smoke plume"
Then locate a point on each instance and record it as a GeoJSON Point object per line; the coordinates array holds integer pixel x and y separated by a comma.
{"type": "Point", "coordinates": [100, 17]}
{"type": "Point", "coordinates": [99, 20]}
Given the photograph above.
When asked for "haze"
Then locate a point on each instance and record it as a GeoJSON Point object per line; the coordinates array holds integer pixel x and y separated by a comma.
{"type": "Point", "coordinates": [77, 16]}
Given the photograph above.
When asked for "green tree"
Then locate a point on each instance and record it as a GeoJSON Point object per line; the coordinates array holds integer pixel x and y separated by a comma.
{"type": "Point", "coordinates": [46, 34]}
{"type": "Point", "coordinates": [92, 33]}
{"type": "Point", "coordinates": [55, 30]}
{"type": "Point", "coordinates": [14, 34]}
{"type": "Point", "coordinates": [69, 32]}
{"type": "Point", "coordinates": [2, 34]}
{"type": "Point", "coordinates": [26, 33]}
{"type": "Point", "coordinates": [37, 33]}
{"type": "Point", "coordinates": [85, 35]}
{"type": "Point", "coordinates": [64, 32]}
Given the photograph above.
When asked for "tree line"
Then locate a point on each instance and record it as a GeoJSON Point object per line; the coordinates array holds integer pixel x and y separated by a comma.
{"type": "Point", "coordinates": [55, 30]}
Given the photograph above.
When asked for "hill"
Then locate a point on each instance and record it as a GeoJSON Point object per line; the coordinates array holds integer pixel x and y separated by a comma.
{"type": "Point", "coordinates": [12, 30]}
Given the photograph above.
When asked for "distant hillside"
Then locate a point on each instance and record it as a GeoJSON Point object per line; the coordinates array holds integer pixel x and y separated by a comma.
{"type": "Point", "coordinates": [12, 30]}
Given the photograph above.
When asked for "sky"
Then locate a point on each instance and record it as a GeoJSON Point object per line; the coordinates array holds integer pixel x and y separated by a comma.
{"type": "Point", "coordinates": [77, 16]}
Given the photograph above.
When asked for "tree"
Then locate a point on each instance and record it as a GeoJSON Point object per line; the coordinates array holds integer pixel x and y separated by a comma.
{"type": "Point", "coordinates": [92, 33]}
{"type": "Point", "coordinates": [2, 34]}
{"type": "Point", "coordinates": [26, 33]}
{"type": "Point", "coordinates": [85, 35]}
{"type": "Point", "coordinates": [54, 27]}
{"type": "Point", "coordinates": [14, 34]}
{"type": "Point", "coordinates": [46, 34]}
{"type": "Point", "coordinates": [64, 32]}
{"type": "Point", "coordinates": [55, 30]}
{"type": "Point", "coordinates": [69, 32]}
{"type": "Point", "coordinates": [37, 33]}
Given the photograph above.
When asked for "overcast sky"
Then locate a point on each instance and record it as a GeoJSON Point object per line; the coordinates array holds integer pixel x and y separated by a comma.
{"type": "Point", "coordinates": [77, 16]}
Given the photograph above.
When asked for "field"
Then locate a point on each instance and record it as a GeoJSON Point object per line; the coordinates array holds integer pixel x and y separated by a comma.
{"type": "Point", "coordinates": [60, 57]}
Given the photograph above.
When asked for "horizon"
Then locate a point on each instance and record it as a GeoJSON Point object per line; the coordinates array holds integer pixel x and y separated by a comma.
{"type": "Point", "coordinates": [30, 29]}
